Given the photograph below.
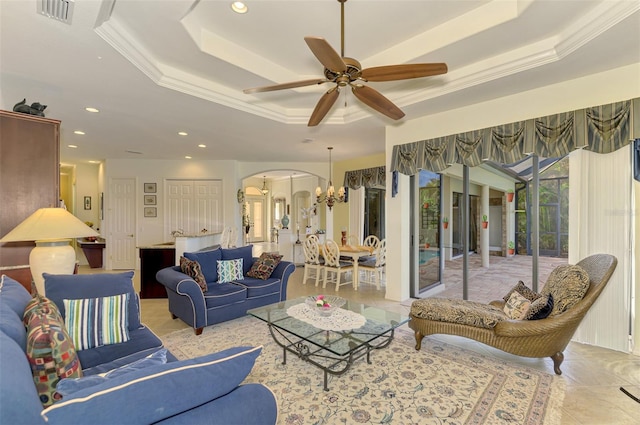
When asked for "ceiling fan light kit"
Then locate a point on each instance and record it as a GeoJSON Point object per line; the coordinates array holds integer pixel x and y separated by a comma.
{"type": "Point", "coordinates": [345, 71]}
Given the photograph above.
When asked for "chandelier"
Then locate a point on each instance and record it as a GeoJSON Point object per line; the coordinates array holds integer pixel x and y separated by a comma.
{"type": "Point", "coordinates": [264, 189]}
{"type": "Point", "coordinates": [329, 197]}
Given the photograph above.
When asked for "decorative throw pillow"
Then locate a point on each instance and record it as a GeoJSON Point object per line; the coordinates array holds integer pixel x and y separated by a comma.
{"type": "Point", "coordinates": [229, 270]}
{"type": "Point", "coordinates": [567, 284]}
{"type": "Point", "coordinates": [540, 308]}
{"type": "Point", "coordinates": [516, 306]}
{"type": "Point", "coordinates": [93, 322]}
{"type": "Point", "coordinates": [51, 353]}
{"type": "Point", "coordinates": [68, 386]}
{"type": "Point", "coordinates": [38, 303]}
{"type": "Point", "coordinates": [192, 269]}
{"type": "Point", "coordinates": [523, 290]}
{"type": "Point", "coordinates": [264, 266]}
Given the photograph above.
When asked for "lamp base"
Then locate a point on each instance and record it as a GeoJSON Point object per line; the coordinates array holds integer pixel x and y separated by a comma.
{"type": "Point", "coordinates": [54, 257]}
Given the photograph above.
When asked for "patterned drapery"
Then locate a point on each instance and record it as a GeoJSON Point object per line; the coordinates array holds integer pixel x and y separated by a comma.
{"type": "Point", "coordinates": [367, 177]}
{"type": "Point", "coordinates": [601, 129]}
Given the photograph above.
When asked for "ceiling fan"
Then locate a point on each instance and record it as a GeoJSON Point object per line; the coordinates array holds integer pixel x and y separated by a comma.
{"type": "Point", "coordinates": [345, 71]}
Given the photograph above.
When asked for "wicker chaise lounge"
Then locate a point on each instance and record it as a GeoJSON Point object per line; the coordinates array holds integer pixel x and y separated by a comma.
{"type": "Point", "coordinates": [528, 338]}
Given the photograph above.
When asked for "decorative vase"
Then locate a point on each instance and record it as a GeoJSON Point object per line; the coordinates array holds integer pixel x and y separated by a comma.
{"type": "Point", "coordinates": [285, 222]}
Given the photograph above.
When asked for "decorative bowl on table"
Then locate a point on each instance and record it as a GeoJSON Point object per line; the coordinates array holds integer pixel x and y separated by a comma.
{"type": "Point", "coordinates": [325, 305]}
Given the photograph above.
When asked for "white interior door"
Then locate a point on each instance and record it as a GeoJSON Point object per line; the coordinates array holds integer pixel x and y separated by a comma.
{"type": "Point", "coordinates": [257, 214]}
{"type": "Point", "coordinates": [122, 241]}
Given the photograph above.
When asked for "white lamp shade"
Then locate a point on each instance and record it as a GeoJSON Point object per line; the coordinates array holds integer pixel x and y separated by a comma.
{"type": "Point", "coordinates": [51, 229]}
{"type": "Point", "coordinates": [48, 224]}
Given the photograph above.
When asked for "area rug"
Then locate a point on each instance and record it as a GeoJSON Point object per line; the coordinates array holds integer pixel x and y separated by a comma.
{"type": "Point", "coordinates": [440, 384]}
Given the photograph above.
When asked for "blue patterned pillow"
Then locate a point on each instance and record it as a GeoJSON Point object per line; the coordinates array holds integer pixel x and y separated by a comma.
{"type": "Point", "coordinates": [93, 322]}
{"type": "Point", "coordinates": [229, 270]}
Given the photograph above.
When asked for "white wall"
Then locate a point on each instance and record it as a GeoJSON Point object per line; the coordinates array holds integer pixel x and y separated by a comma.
{"type": "Point", "coordinates": [607, 87]}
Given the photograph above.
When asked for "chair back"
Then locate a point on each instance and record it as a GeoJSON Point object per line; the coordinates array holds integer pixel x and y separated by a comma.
{"type": "Point", "coordinates": [311, 250]}
{"type": "Point", "coordinates": [229, 237]}
{"type": "Point", "coordinates": [352, 240]}
{"type": "Point", "coordinates": [372, 241]}
{"type": "Point", "coordinates": [331, 254]}
{"type": "Point", "coordinates": [381, 253]}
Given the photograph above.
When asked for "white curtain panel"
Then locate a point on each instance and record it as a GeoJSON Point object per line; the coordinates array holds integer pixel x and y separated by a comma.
{"type": "Point", "coordinates": [601, 221]}
{"type": "Point", "coordinates": [356, 213]}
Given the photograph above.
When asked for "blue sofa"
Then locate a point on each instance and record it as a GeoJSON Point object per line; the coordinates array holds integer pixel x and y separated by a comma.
{"type": "Point", "coordinates": [221, 301]}
{"type": "Point", "coordinates": [206, 389]}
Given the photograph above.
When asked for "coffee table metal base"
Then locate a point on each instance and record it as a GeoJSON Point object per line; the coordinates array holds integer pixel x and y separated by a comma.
{"type": "Point", "coordinates": [333, 364]}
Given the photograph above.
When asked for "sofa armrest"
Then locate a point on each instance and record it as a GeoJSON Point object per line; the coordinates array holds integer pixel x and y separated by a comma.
{"type": "Point", "coordinates": [157, 392]}
{"type": "Point", "coordinates": [181, 284]}
{"type": "Point", "coordinates": [282, 271]}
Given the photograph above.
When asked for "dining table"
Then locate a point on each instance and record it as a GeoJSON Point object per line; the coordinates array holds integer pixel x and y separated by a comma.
{"type": "Point", "coordinates": [355, 252]}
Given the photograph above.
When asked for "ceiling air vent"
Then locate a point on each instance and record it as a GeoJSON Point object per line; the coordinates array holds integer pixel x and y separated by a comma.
{"type": "Point", "coordinates": [60, 10]}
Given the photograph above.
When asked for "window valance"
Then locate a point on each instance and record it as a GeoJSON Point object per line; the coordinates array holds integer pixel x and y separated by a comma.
{"type": "Point", "coordinates": [368, 177]}
{"type": "Point", "coordinates": [601, 129]}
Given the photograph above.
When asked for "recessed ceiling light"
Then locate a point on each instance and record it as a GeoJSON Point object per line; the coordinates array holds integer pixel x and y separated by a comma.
{"type": "Point", "coordinates": [182, 133]}
{"type": "Point", "coordinates": [239, 7]}
{"type": "Point", "coordinates": [80, 132]}
{"type": "Point", "coordinates": [307, 140]}
{"type": "Point", "coordinates": [202, 146]}
{"type": "Point", "coordinates": [187, 157]}
{"type": "Point", "coordinates": [89, 109]}
{"type": "Point", "coordinates": [72, 146]}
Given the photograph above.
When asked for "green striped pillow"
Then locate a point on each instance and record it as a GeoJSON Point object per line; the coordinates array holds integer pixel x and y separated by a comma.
{"type": "Point", "coordinates": [93, 322]}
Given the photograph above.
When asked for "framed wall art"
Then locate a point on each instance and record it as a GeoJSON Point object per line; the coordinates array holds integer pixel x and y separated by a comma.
{"type": "Point", "coordinates": [87, 202]}
{"type": "Point", "coordinates": [150, 212]}
{"type": "Point", "coordinates": [150, 199]}
{"type": "Point", "coordinates": [150, 188]}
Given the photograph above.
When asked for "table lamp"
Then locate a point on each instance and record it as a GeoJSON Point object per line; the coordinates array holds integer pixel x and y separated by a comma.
{"type": "Point", "coordinates": [52, 229]}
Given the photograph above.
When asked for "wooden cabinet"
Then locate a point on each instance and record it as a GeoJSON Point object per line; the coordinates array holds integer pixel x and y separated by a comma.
{"type": "Point", "coordinates": [29, 176]}
{"type": "Point", "coordinates": [151, 261]}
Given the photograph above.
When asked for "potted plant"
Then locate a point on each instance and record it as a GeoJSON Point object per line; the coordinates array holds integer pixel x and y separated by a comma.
{"type": "Point", "coordinates": [445, 222]}
{"type": "Point", "coordinates": [510, 195]}
{"type": "Point", "coordinates": [485, 221]}
{"type": "Point", "coordinates": [511, 249]}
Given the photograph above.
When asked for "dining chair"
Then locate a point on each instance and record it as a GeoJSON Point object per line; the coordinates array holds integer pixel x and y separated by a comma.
{"type": "Point", "coordinates": [313, 262]}
{"type": "Point", "coordinates": [333, 265]}
{"type": "Point", "coordinates": [371, 242]}
{"type": "Point", "coordinates": [373, 269]}
{"type": "Point", "coordinates": [229, 237]}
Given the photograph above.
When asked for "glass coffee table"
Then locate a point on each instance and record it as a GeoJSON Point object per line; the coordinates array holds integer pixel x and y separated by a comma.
{"type": "Point", "coordinates": [333, 351]}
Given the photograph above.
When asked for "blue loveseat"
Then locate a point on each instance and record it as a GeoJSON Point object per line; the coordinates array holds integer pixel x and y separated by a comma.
{"type": "Point", "coordinates": [221, 301]}
{"type": "Point", "coordinates": [206, 389]}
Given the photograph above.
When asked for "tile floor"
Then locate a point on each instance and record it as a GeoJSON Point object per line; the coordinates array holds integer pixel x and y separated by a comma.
{"type": "Point", "coordinates": [593, 375]}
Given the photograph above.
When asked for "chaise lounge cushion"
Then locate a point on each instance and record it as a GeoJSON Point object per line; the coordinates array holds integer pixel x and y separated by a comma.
{"type": "Point", "coordinates": [458, 311]}
{"type": "Point", "coordinates": [159, 390]}
{"type": "Point", "coordinates": [568, 285]}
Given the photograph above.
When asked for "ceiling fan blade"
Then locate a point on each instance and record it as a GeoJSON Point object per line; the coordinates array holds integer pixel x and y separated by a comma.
{"type": "Point", "coordinates": [403, 72]}
{"type": "Point", "coordinates": [377, 101]}
{"type": "Point", "coordinates": [326, 54]}
{"type": "Point", "coordinates": [324, 105]}
{"type": "Point", "coordinates": [283, 86]}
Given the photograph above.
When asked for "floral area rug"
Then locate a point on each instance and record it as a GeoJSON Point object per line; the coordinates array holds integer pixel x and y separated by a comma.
{"type": "Point", "coordinates": [440, 384]}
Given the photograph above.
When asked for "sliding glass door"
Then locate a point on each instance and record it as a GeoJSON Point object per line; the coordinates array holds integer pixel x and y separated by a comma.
{"type": "Point", "coordinates": [426, 241]}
